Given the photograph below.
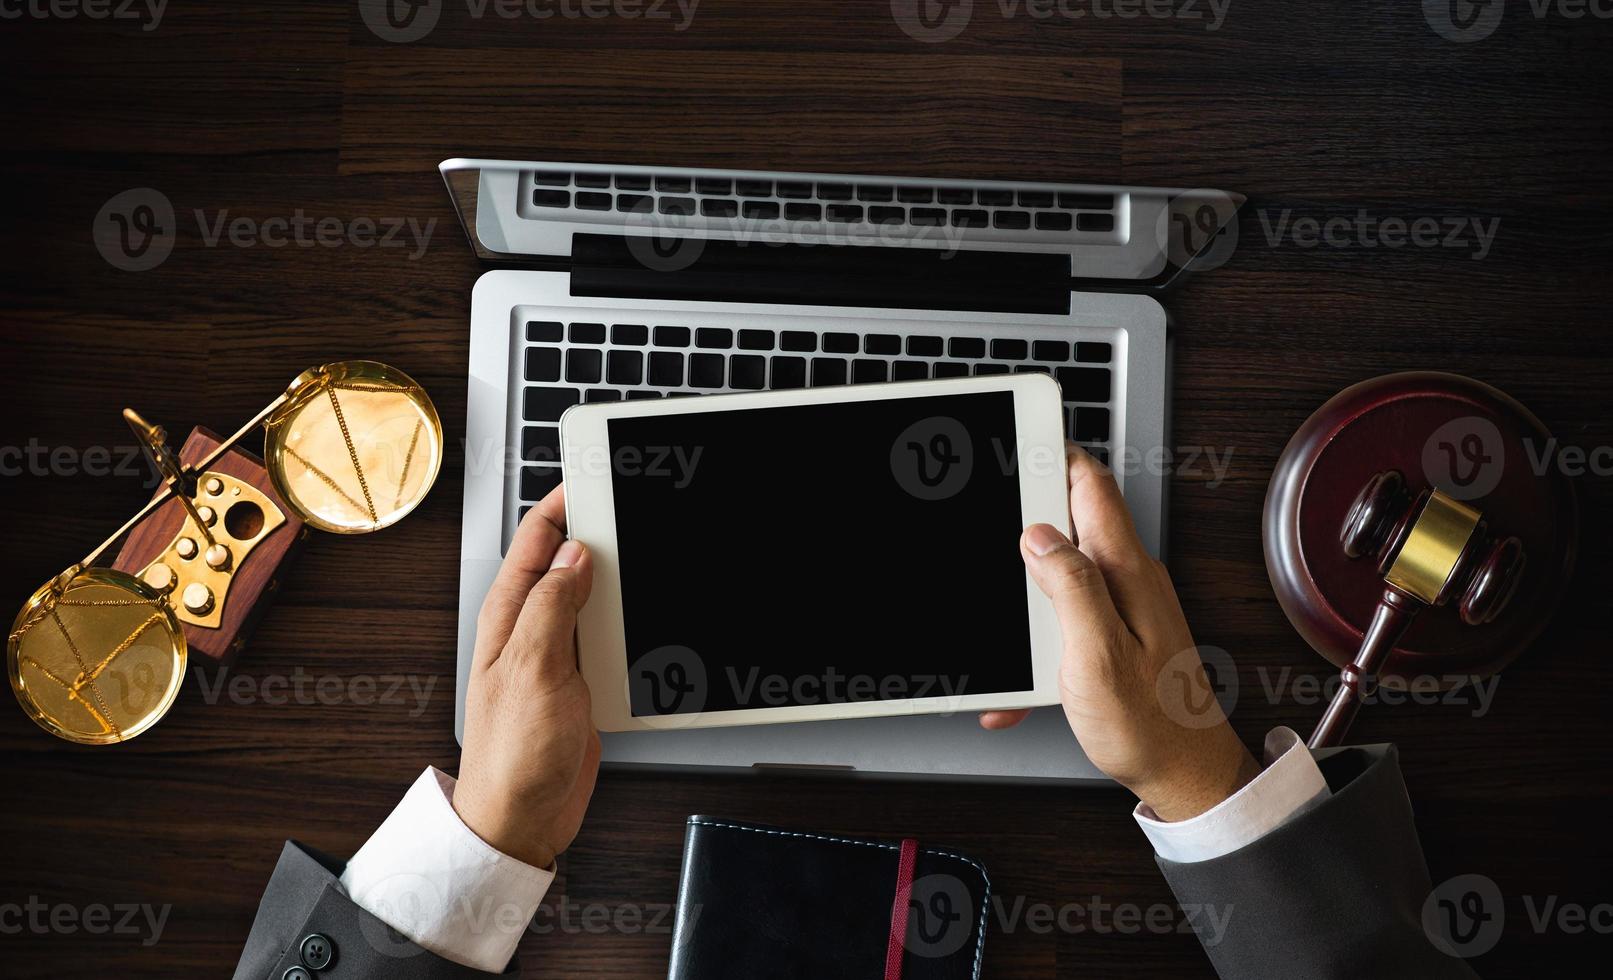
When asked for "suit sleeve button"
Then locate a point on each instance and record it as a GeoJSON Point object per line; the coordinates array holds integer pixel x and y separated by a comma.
{"type": "Point", "coordinates": [296, 973]}
{"type": "Point", "coordinates": [316, 952]}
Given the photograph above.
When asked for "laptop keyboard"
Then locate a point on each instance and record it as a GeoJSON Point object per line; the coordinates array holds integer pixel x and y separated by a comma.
{"type": "Point", "coordinates": [569, 363]}
{"type": "Point", "coordinates": [1042, 212]}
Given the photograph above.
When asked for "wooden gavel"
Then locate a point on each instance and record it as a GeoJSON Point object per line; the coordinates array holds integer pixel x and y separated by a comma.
{"type": "Point", "coordinates": [1430, 550]}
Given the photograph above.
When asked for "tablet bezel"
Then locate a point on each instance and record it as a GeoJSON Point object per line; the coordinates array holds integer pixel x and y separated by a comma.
{"type": "Point", "coordinates": [591, 518]}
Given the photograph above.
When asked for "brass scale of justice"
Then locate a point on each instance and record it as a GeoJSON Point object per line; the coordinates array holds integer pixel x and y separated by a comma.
{"type": "Point", "coordinates": [349, 447]}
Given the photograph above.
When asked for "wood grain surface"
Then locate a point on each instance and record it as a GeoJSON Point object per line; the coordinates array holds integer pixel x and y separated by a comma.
{"type": "Point", "coordinates": [278, 108]}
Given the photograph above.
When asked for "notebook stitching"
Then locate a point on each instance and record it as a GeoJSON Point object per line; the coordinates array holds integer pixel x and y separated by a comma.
{"type": "Point", "coordinates": [985, 901]}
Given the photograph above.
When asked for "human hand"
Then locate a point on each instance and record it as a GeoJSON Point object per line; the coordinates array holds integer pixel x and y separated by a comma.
{"type": "Point", "coordinates": [531, 753]}
{"type": "Point", "coordinates": [1123, 627]}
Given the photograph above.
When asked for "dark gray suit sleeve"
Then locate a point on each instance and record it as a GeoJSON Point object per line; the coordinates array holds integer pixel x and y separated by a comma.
{"type": "Point", "coordinates": [1336, 892]}
{"type": "Point", "coordinates": [305, 899]}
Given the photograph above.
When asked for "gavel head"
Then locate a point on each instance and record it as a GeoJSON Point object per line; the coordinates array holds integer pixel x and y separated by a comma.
{"type": "Point", "coordinates": [1433, 548]}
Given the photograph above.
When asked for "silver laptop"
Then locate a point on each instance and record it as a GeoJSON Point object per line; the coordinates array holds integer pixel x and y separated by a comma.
{"type": "Point", "coordinates": [624, 282]}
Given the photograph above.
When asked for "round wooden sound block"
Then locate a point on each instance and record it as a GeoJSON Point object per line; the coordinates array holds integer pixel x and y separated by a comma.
{"type": "Point", "coordinates": [1439, 431]}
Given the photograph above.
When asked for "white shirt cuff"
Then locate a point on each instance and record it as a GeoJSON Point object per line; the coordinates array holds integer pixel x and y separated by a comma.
{"type": "Point", "coordinates": [1290, 784]}
{"type": "Point", "coordinates": [428, 876]}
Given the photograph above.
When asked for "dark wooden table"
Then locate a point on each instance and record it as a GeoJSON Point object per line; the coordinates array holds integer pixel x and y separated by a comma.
{"type": "Point", "coordinates": [277, 108]}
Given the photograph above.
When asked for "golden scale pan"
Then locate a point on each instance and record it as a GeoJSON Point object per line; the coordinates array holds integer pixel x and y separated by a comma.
{"type": "Point", "coordinates": [97, 655]}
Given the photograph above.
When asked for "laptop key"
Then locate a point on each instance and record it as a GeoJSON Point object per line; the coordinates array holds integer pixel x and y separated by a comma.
{"type": "Point", "coordinates": [789, 372]}
{"type": "Point", "coordinates": [540, 444]}
{"type": "Point", "coordinates": [553, 178]}
{"type": "Point", "coordinates": [828, 371]}
{"type": "Point", "coordinates": [864, 371]}
{"type": "Point", "coordinates": [551, 199]}
{"type": "Point", "coordinates": [927, 216]}
{"type": "Point", "coordinates": [1032, 369]}
{"type": "Point", "coordinates": [625, 367]}
{"type": "Point", "coordinates": [672, 336]}
{"type": "Point", "coordinates": [955, 195]}
{"type": "Point", "coordinates": [909, 371]}
{"type": "Point", "coordinates": [545, 331]}
{"type": "Point", "coordinates": [1084, 384]}
{"type": "Point", "coordinates": [602, 395]}
{"type": "Point", "coordinates": [1093, 352]}
{"type": "Point", "coordinates": [1091, 424]}
{"type": "Point", "coordinates": [840, 343]}
{"type": "Point", "coordinates": [984, 369]}
{"type": "Point", "coordinates": [1035, 199]}
{"type": "Point", "coordinates": [632, 182]}
{"type": "Point", "coordinates": [1053, 221]}
{"type": "Point", "coordinates": [845, 213]}
{"type": "Point", "coordinates": [636, 334]}
{"type": "Point", "coordinates": [951, 369]}
{"type": "Point", "coordinates": [588, 333]}
{"type": "Point", "coordinates": [915, 195]}
{"type": "Point", "coordinates": [719, 208]}
{"type": "Point", "coordinates": [636, 203]}
{"type": "Point", "coordinates": [582, 365]}
{"type": "Point", "coordinates": [666, 369]}
{"type": "Point", "coordinates": [1013, 220]}
{"type": "Point", "coordinates": [537, 481]}
{"type": "Point", "coordinates": [875, 192]}
{"type": "Point", "coordinates": [547, 404]}
{"type": "Point", "coordinates": [705, 370]}
{"type": "Point", "coordinates": [593, 202]}
{"type": "Point", "coordinates": [755, 188]}
{"type": "Point", "coordinates": [672, 185]}
{"type": "Point", "coordinates": [882, 343]}
{"type": "Point", "coordinates": [995, 198]}
{"type": "Point", "coordinates": [834, 192]}
{"type": "Point", "coordinates": [543, 364]}
{"type": "Point", "coordinates": [1051, 350]}
{"type": "Point", "coordinates": [967, 347]}
{"type": "Point", "coordinates": [1078, 200]}
{"type": "Point", "coordinates": [963, 218]}
{"type": "Point", "coordinates": [1006, 349]}
{"type": "Point", "coordinates": [803, 212]}
{"type": "Point", "coordinates": [887, 215]}
{"type": "Point", "coordinates": [756, 340]}
{"type": "Point", "coordinates": [642, 395]}
{"type": "Point", "coordinates": [714, 185]}
{"type": "Point", "coordinates": [593, 180]}
{"type": "Point", "coordinates": [747, 371]}
{"type": "Point", "coordinates": [677, 205]}
{"type": "Point", "coordinates": [794, 188]}
{"type": "Point", "coordinates": [799, 340]}
{"type": "Point", "coordinates": [921, 346]}
{"type": "Point", "coordinates": [718, 337]}
{"type": "Point", "coordinates": [1088, 221]}
{"type": "Point", "coordinates": [762, 210]}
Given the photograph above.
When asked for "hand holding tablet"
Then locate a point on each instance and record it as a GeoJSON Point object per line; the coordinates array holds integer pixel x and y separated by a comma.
{"type": "Point", "coordinates": [828, 553]}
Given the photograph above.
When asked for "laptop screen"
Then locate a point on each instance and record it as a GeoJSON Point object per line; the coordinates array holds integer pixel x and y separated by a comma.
{"type": "Point", "coordinates": [812, 554]}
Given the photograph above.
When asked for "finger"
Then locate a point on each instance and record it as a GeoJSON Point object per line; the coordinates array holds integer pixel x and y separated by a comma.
{"type": "Point", "coordinates": [998, 720]}
{"type": "Point", "coordinates": [536, 540]}
{"type": "Point", "coordinates": [1075, 584]}
{"type": "Point", "coordinates": [544, 638]}
{"type": "Point", "coordinates": [1103, 527]}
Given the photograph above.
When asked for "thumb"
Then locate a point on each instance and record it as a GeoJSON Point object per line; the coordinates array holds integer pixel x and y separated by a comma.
{"type": "Point", "coordinates": [1069, 578]}
{"type": "Point", "coordinates": [543, 639]}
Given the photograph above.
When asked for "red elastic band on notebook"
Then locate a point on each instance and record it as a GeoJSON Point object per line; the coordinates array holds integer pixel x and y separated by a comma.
{"type": "Point", "coordinates": [904, 891]}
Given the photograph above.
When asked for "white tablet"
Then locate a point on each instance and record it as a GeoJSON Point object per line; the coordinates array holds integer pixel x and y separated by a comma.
{"type": "Point", "coordinates": [806, 555]}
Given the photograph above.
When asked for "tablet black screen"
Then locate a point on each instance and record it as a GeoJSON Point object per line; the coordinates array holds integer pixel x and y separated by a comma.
{"type": "Point", "coordinates": [821, 553]}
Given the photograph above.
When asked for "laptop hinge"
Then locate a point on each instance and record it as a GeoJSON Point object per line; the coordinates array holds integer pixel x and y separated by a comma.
{"type": "Point", "coordinates": [819, 275]}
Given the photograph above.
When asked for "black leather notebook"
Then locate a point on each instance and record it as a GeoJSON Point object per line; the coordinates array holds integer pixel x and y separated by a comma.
{"type": "Point", "coordinates": [757, 901]}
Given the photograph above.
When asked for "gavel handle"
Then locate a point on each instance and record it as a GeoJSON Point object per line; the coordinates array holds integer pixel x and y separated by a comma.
{"type": "Point", "coordinates": [1394, 615]}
